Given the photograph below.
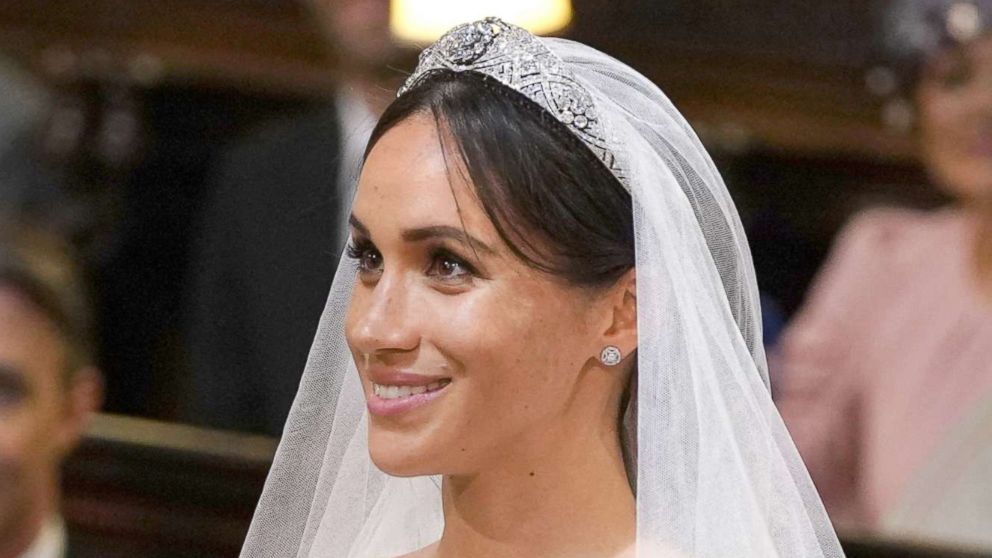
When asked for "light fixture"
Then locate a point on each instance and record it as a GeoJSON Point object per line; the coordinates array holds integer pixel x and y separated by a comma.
{"type": "Point", "coordinates": [423, 21]}
{"type": "Point", "coordinates": [964, 21]}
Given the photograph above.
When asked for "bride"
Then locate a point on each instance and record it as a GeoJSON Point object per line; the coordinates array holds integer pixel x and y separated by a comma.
{"type": "Point", "coordinates": [547, 344]}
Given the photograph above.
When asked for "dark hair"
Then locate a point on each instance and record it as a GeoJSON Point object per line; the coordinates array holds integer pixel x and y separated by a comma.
{"type": "Point", "coordinates": [552, 201]}
{"type": "Point", "coordinates": [40, 267]}
{"type": "Point", "coordinates": [556, 205]}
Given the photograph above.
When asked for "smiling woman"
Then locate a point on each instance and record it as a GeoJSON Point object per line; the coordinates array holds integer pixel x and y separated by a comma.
{"type": "Point", "coordinates": [548, 344]}
{"type": "Point", "coordinates": [434, 308]}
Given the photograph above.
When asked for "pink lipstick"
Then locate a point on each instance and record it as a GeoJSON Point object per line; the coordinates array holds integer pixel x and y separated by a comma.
{"type": "Point", "coordinates": [393, 392]}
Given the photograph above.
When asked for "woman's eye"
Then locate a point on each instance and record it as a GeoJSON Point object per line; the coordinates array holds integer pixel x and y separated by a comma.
{"type": "Point", "coordinates": [446, 266]}
{"type": "Point", "coordinates": [368, 259]}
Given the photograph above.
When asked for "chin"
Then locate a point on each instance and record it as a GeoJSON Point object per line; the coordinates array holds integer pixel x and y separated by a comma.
{"type": "Point", "coordinates": [966, 178]}
{"type": "Point", "coordinates": [400, 455]}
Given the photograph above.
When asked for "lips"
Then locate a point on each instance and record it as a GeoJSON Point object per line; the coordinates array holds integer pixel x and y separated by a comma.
{"type": "Point", "coordinates": [399, 392]}
{"type": "Point", "coordinates": [394, 392]}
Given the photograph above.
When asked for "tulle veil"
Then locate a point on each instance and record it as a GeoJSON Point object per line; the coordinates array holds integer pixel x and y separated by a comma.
{"type": "Point", "coordinates": [716, 472]}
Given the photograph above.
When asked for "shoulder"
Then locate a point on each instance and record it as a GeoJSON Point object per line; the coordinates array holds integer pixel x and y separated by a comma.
{"type": "Point", "coordinates": [880, 227]}
{"type": "Point", "coordinates": [894, 229]}
{"type": "Point", "coordinates": [866, 258]}
{"type": "Point", "coordinates": [878, 242]}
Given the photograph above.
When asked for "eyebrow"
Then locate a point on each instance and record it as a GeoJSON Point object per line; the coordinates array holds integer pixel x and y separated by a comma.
{"type": "Point", "coordinates": [354, 222]}
{"type": "Point", "coordinates": [435, 231]}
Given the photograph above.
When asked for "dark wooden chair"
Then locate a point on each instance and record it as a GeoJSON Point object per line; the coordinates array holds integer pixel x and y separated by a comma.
{"type": "Point", "coordinates": [141, 488]}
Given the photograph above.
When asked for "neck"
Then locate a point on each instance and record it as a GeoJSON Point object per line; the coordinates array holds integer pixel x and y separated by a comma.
{"type": "Point", "coordinates": [980, 214]}
{"type": "Point", "coordinates": [16, 539]}
{"type": "Point", "coordinates": [556, 494]}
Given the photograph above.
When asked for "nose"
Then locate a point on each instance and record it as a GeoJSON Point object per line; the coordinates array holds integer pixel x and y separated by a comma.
{"type": "Point", "coordinates": [381, 318]}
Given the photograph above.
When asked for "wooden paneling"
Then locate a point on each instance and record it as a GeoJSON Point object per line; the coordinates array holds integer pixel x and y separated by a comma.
{"type": "Point", "coordinates": [248, 44]}
{"type": "Point", "coordinates": [784, 76]}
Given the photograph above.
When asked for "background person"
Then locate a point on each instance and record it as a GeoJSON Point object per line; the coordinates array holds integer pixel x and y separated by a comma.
{"type": "Point", "coordinates": [270, 236]}
{"type": "Point", "coordinates": [887, 370]}
{"type": "Point", "coordinates": [49, 388]}
{"type": "Point", "coordinates": [503, 370]}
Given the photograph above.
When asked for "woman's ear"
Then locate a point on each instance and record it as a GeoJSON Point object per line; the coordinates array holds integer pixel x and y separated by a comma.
{"type": "Point", "coordinates": [622, 329]}
{"type": "Point", "coordinates": [84, 398]}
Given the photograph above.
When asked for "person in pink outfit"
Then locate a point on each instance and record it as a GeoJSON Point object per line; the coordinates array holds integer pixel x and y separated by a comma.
{"type": "Point", "coordinates": [885, 375]}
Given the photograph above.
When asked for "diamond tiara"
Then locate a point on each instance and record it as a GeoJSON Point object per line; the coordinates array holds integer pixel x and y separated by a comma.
{"type": "Point", "coordinates": [519, 60]}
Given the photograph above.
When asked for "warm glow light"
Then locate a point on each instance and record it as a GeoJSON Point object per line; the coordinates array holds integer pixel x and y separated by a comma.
{"type": "Point", "coordinates": [423, 21]}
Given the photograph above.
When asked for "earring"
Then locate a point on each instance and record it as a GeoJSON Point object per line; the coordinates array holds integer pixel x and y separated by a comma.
{"type": "Point", "coordinates": [610, 356]}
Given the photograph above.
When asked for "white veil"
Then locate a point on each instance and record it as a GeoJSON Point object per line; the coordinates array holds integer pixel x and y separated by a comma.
{"type": "Point", "coordinates": [717, 474]}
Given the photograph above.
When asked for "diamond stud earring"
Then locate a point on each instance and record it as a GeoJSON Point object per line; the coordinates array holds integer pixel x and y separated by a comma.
{"type": "Point", "coordinates": [610, 356]}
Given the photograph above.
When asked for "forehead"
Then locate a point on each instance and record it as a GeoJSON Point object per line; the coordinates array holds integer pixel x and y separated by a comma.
{"type": "Point", "coordinates": [410, 180]}
{"type": "Point", "coordinates": [29, 341]}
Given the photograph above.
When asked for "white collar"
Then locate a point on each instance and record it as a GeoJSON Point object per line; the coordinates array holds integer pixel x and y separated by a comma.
{"type": "Point", "coordinates": [51, 541]}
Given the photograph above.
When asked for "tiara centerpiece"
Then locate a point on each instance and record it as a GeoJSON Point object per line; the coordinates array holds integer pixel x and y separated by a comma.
{"type": "Point", "coordinates": [519, 60]}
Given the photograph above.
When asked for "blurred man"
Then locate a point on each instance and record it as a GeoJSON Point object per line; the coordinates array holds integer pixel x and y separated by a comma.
{"type": "Point", "coordinates": [272, 234]}
{"type": "Point", "coordinates": [48, 389]}
{"type": "Point", "coordinates": [27, 183]}
{"type": "Point", "coordinates": [21, 102]}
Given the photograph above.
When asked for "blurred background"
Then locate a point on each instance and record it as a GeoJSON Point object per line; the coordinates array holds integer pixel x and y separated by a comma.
{"type": "Point", "coordinates": [193, 157]}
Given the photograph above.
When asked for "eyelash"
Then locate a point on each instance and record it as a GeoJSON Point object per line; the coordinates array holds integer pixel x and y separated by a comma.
{"type": "Point", "coordinates": [440, 255]}
{"type": "Point", "coordinates": [360, 249]}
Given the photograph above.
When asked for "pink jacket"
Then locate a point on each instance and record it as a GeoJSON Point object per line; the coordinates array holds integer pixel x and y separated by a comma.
{"type": "Point", "coordinates": [891, 351]}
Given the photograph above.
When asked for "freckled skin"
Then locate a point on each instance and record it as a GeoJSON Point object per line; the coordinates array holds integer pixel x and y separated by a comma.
{"type": "Point", "coordinates": [525, 435]}
{"type": "Point", "coordinates": [493, 336]}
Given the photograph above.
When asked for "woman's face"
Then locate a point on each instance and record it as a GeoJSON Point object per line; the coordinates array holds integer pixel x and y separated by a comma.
{"type": "Point", "coordinates": [955, 100]}
{"type": "Point", "coordinates": [466, 354]}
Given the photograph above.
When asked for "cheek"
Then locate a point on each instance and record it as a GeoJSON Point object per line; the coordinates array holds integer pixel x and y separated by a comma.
{"type": "Point", "coordinates": [14, 440]}
{"type": "Point", "coordinates": [26, 441]}
{"type": "Point", "coordinates": [939, 123]}
{"type": "Point", "coordinates": [514, 354]}
{"type": "Point", "coordinates": [945, 126]}
{"type": "Point", "coordinates": [28, 460]}
{"type": "Point", "coordinates": [520, 353]}
{"type": "Point", "coordinates": [353, 314]}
